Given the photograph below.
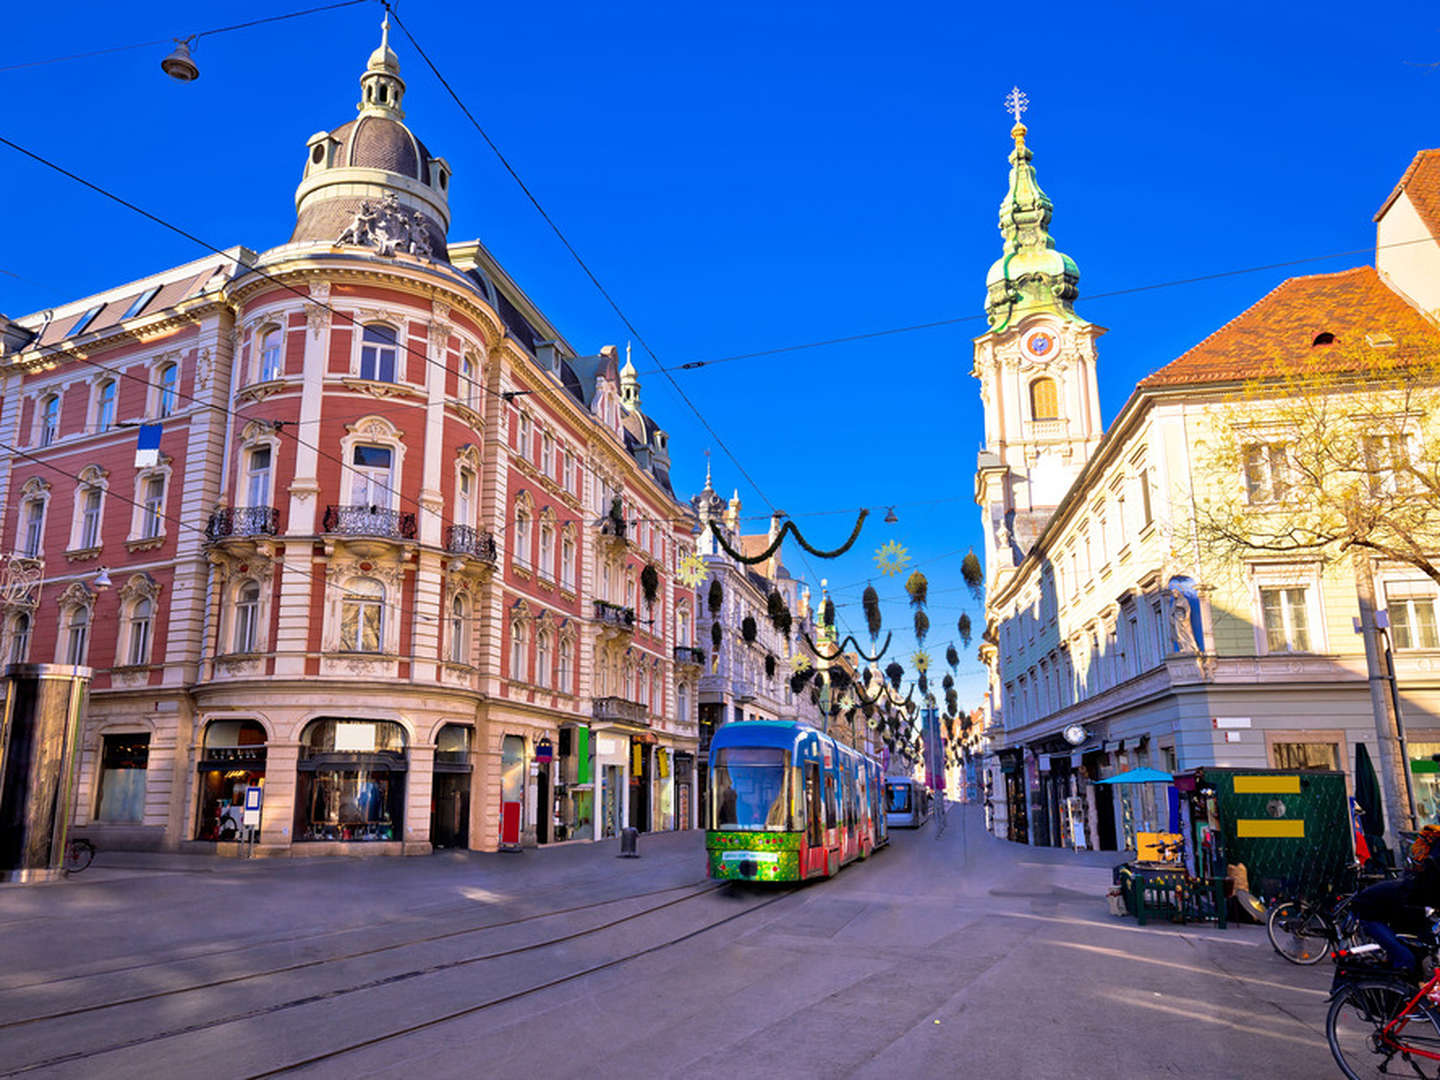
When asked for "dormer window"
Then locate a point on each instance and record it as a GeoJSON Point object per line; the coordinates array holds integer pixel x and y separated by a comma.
{"type": "Point", "coordinates": [138, 304]}
{"type": "Point", "coordinates": [317, 154]}
{"type": "Point", "coordinates": [85, 320]}
{"type": "Point", "coordinates": [1323, 338]}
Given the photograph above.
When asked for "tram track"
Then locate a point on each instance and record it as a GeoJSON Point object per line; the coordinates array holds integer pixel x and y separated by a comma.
{"type": "Point", "coordinates": [398, 978]}
{"type": "Point", "coordinates": [301, 965]}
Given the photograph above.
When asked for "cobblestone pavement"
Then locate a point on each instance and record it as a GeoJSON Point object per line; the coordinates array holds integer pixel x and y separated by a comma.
{"type": "Point", "coordinates": [960, 955]}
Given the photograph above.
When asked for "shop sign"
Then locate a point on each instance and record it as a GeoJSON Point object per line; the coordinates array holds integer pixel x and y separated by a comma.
{"type": "Point", "coordinates": [544, 752]}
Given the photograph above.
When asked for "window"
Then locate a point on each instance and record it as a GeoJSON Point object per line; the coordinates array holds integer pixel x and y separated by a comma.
{"type": "Point", "coordinates": [153, 508]}
{"type": "Point", "coordinates": [542, 658]}
{"type": "Point", "coordinates": [526, 437]}
{"type": "Point", "coordinates": [1387, 457]}
{"type": "Point", "coordinates": [567, 666]}
{"type": "Point", "coordinates": [351, 780]}
{"type": "Point", "coordinates": [547, 454]}
{"type": "Point", "coordinates": [50, 420]}
{"type": "Point", "coordinates": [124, 760]}
{"type": "Point", "coordinates": [247, 617]}
{"type": "Point", "coordinates": [105, 406]}
{"type": "Point", "coordinates": [362, 616]}
{"type": "Point", "coordinates": [567, 562]}
{"type": "Point", "coordinates": [138, 304]}
{"type": "Point", "coordinates": [468, 385]}
{"type": "Point", "coordinates": [1305, 755]}
{"type": "Point", "coordinates": [1265, 472]}
{"type": "Point", "coordinates": [682, 704]}
{"type": "Point", "coordinates": [257, 477]}
{"type": "Point", "coordinates": [90, 518]}
{"type": "Point", "coordinates": [378, 352]}
{"type": "Point", "coordinates": [1145, 513]}
{"type": "Point", "coordinates": [85, 319]}
{"type": "Point", "coordinates": [371, 477]}
{"type": "Point", "coordinates": [169, 389]}
{"type": "Point", "coordinates": [33, 514]}
{"type": "Point", "coordinates": [517, 650]}
{"type": "Point", "coordinates": [1287, 626]}
{"type": "Point", "coordinates": [522, 539]}
{"type": "Point", "coordinates": [77, 635]}
{"type": "Point", "coordinates": [547, 551]}
{"type": "Point", "coordinates": [19, 638]}
{"type": "Point", "coordinates": [465, 498]}
{"type": "Point", "coordinates": [140, 616]}
{"type": "Point", "coordinates": [1412, 618]}
{"type": "Point", "coordinates": [567, 471]}
{"type": "Point", "coordinates": [682, 627]}
{"type": "Point", "coordinates": [1044, 402]}
{"type": "Point", "coordinates": [457, 630]}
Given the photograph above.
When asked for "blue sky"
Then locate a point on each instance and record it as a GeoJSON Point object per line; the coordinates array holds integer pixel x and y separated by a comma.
{"type": "Point", "coordinates": [755, 176]}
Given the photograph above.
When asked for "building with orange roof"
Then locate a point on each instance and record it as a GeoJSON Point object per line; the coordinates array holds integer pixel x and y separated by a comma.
{"type": "Point", "coordinates": [1114, 638]}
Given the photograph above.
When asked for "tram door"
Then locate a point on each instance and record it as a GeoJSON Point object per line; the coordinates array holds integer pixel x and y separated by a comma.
{"type": "Point", "coordinates": [814, 820]}
{"type": "Point", "coordinates": [833, 839]}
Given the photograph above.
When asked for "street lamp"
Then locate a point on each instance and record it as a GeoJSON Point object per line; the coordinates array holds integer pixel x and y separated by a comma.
{"type": "Point", "coordinates": [179, 65]}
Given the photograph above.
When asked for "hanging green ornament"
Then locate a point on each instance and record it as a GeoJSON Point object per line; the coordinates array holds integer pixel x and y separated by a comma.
{"type": "Point", "coordinates": [918, 588]}
{"type": "Point", "coordinates": [894, 672]}
{"type": "Point", "coordinates": [964, 627]}
{"type": "Point", "coordinates": [974, 575]}
{"type": "Point", "coordinates": [922, 627]}
{"type": "Point", "coordinates": [827, 612]}
{"type": "Point", "coordinates": [870, 601]}
{"type": "Point", "coordinates": [748, 630]}
{"type": "Point", "coordinates": [951, 656]}
{"type": "Point", "coordinates": [650, 583]}
{"type": "Point", "coordinates": [924, 683]}
{"type": "Point", "coordinates": [770, 665]}
{"type": "Point", "coordinates": [839, 679]}
{"type": "Point", "coordinates": [716, 597]}
{"type": "Point", "coordinates": [715, 635]}
{"type": "Point", "coordinates": [952, 700]}
{"type": "Point", "coordinates": [798, 681]}
{"type": "Point", "coordinates": [948, 682]}
{"type": "Point", "coordinates": [779, 613]}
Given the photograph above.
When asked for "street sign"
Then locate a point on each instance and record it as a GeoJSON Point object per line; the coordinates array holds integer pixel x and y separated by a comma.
{"type": "Point", "coordinates": [544, 752]}
{"type": "Point", "coordinates": [252, 807]}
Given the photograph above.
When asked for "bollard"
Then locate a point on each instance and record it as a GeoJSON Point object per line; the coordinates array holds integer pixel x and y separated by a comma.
{"type": "Point", "coordinates": [629, 843]}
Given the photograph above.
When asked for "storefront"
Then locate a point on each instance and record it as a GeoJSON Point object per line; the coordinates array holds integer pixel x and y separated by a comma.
{"type": "Point", "coordinates": [232, 758]}
{"type": "Point", "coordinates": [684, 793]}
{"type": "Point", "coordinates": [450, 789]}
{"type": "Point", "coordinates": [1017, 816]}
{"type": "Point", "coordinates": [512, 791]}
{"type": "Point", "coordinates": [640, 777]}
{"type": "Point", "coordinates": [351, 783]}
{"type": "Point", "coordinates": [575, 785]}
{"type": "Point", "coordinates": [662, 790]}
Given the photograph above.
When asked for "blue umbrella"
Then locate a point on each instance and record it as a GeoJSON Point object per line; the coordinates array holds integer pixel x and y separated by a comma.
{"type": "Point", "coordinates": [1139, 776]}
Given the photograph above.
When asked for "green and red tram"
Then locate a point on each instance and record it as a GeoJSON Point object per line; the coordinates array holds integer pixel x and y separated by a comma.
{"type": "Point", "coordinates": [788, 802]}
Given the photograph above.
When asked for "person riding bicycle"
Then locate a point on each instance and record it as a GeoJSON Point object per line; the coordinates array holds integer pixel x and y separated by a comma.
{"type": "Point", "coordinates": [1400, 904]}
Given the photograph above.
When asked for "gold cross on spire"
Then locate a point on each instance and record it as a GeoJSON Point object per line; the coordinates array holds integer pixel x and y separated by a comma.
{"type": "Point", "coordinates": [1016, 103]}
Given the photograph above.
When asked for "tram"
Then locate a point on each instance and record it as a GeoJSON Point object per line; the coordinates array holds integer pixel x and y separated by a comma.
{"type": "Point", "coordinates": [907, 802]}
{"type": "Point", "coordinates": [788, 802]}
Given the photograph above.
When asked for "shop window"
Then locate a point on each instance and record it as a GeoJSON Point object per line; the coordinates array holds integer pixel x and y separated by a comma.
{"type": "Point", "coordinates": [124, 760]}
{"type": "Point", "coordinates": [450, 788]}
{"type": "Point", "coordinates": [1305, 755]}
{"type": "Point", "coordinates": [232, 759]}
{"type": "Point", "coordinates": [1425, 770]}
{"type": "Point", "coordinates": [351, 784]}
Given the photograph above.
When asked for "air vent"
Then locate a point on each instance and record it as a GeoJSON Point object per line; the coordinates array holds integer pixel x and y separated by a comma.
{"type": "Point", "coordinates": [1323, 338]}
{"type": "Point", "coordinates": [1380, 341]}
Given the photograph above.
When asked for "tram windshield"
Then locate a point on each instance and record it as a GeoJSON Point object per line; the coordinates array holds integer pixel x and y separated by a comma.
{"type": "Point", "coordinates": [897, 798]}
{"type": "Point", "coordinates": [750, 788]}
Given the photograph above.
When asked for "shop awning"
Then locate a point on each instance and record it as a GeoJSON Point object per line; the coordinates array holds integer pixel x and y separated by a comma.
{"type": "Point", "coordinates": [1139, 776]}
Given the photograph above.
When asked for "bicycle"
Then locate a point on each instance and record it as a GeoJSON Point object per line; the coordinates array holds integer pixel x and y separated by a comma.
{"type": "Point", "coordinates": [1376, 1016]}
{"type": "Point", "coordinates": [79, 854]}
{"type": "Point", "coordinates": [1305, 932]}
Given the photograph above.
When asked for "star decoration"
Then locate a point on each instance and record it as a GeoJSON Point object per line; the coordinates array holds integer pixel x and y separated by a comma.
{"type": "Point", "coordinates": [891, 558]}
{"type": "Point", "coordinates": [799, 662]}
{"type": "Point", "coordinates": [920, 661]}
{"type": "Point", "coordinates": [692, 571]}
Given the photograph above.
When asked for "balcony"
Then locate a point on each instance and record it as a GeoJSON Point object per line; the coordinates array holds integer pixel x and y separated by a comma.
{"type": "Point", "coordinates": [689, 654]}
{"type": "Point", "coordinates": [465, 540]}
{"type": "Point", "coordinates": [369, 521]}
{"type": "Point", "coordinates": [243, 521]}
{"type": "Point", "coordinates": [623, 710]}
{"type": "Point", "coordinates": [622, 618]}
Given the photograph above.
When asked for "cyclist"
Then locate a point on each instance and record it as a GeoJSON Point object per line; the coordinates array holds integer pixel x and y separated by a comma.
{"type": "Point", "coordinates": [1400, 904]}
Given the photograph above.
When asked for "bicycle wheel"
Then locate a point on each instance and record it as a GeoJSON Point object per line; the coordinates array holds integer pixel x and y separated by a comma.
{"type": "Point", "coordinates": [1299, 932]}
{"type": "Point", "coordinates": [78, 855]}
{"type": "Point", "coordinates": [1364, 1049]}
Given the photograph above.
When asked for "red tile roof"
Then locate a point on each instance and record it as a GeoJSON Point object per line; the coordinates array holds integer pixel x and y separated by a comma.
{"type": "Point", "coordinates": [1283, 325]}
{"type": "Point", "coordinates": [1422, 183]}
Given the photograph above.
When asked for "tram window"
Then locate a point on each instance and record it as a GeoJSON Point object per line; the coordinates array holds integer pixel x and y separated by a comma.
{"type": "Point", "coordinates": [750, 788]}
{"type": "Point", "coordinates": [831, 809]}
{"type": "Point", "coordinates": [897, 798]}
{"type": "Point", "coordinates": [815, 832]}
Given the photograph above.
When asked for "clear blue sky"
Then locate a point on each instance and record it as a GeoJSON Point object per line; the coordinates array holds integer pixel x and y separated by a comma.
{"type": "Point", "coordinates": [759, 175]}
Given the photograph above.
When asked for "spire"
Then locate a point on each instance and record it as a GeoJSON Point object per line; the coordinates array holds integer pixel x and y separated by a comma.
{"type": "Point", "coordinates": [629, 382]}
{"type": "Point", "coordinates": [1031, 275]}
{"type": "Point", "coordinates": [381, 86]}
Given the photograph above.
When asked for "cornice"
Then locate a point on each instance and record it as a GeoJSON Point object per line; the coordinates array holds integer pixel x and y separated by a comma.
{"type": "Point", "coordinates": [135, 332]}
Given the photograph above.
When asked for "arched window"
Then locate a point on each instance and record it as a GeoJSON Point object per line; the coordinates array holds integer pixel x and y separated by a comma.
{"type": "Point", "coordinates": [20, 638]}
{"type": "Point", "coordinates": [547, 551]}
{"type": "Point", "coordinates": [682, 704]}
{"type": "Point", "coordinates": [656, 702]}
{"type": "Point", "coordinates": [32, 514]}
{"type": "Point", "coordinates": [465, 498]}
{"type": "Point", "coordinates": [682, 629]}
{"type": "Point", "coordinates": [152, 522]}
{"type": "Point", "coordinates": [270, 355]}
{"type": "Point", "coordinates": [1044, 402]}
{"type": "Point", "coordinates": [457, 630]}
{"type": "Point", "coordinates": [90, 517]}
{"type": "Point", "coordinates": [630, 690]}
{"type": "Point", "coordinates": [351, 780]}
{"type": "Point", "coordinates": [247, 617]}
{"type": "Point", "coordinates": [522, 539]}
{"type": "Point", "coordinates": [517, 650]}
{"type": "Point", "coordinates": [372, 476]}
{"type": "Point", "coordinates": [77, 634]}
{"type": "Point", "coordinates": [105, 406]}
{"type": "Point", "coordinates": [567, 561]}
{"type": "Point", "coordinates": [542, 658]}
{"type": "Point", "coordinates": [169, 390]}
{"type": "Point", "coordinates": [362, 616]}
{"type": "Point", "coordinates": [567, 665]}
{"type": "Point", "coordinates": [469, 387]}
{"type": "Point", "coordinates": [140, 616]}
{"type": "Point", "coordinates": [50, 420]}
{"type": "Point", "coordinates": [257, 477]}
{"type": "Point", "coordinates": [378, 351]}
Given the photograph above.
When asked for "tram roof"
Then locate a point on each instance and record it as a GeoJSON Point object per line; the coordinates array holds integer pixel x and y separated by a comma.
{"type": "Point", "coordinates": [784, 734]}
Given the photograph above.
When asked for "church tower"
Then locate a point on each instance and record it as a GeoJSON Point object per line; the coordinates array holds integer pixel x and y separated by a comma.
{"type": "Point", "coordinates": [1036, 366]}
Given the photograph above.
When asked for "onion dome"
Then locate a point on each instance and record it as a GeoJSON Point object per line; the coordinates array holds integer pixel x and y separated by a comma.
{"type": "Point", "coordinates": [371, 183]}
{"type": "Point", "coordinates": [1031, 276]}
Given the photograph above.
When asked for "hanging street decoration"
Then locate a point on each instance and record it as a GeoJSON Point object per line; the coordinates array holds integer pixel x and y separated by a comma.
{"type": "Point", "coordinates": [918, 588]}
{"type": "Point", "coordinates": [974, 575]}
{"type": "Point", "coordinates": [716, 597]}
{"type": "Point", "coordinates": [692, 571]}
{"type": "Point", "coordinates": [800, 663]}
{"type": "Point", "coordinates": [891, 558]}
{"type": "Point", "coordinates": [748, 629]}
{"type": "Point", "coordinates": [789, 527]}
{"type": "Point", "coordinates": [779, 613]}
{"type": "Point", "coordinates": [770, 665]}
{"type": "Point", "coordinates": [920, 661]}
{"type": "Point", "coordinates": [964, 627]}
{"type": "Point", "coordinates": [870, 601]}
{"type": "Point", "coordinates": [715, 635]}
{"type": "Point", "coordinates": [951, 656]}
{"type": "Point", "coordinates": [848, 643]}
{"type": "Point", "coordinates": [650, 583]}
{"type": "Point", "coordinates": [922, 627]}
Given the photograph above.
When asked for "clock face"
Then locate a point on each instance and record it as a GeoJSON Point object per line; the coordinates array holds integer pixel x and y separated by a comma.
{"type": "Point", "coordinates": [1040, 343]}
{"type": "Point", "coordinates": [1074, 734]}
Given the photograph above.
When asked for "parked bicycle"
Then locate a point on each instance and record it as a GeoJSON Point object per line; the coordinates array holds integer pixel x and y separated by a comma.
{"type": "Point", "coordinates": [1305, 932]}
{"type": "Point", "coordinates": [79, 854]}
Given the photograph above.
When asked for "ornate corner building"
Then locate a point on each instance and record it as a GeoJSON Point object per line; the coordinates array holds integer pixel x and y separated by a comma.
{"type": "Point", "coordinates": [404, 557]}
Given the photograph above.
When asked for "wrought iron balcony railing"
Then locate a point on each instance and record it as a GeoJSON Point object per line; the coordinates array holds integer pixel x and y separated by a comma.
{"type": "Point", "coordinates": [689, 654]}
{"type": "Point", "coordinates": [369, 521]}
{"type": "Point", "coordinates": [615, 615]}
{"type": "Point", "coordinates": [618, 708]}
{"type": "Point", "coordinates": [243, 521]}
{"type": "Point", "coordinates": [467, 540]}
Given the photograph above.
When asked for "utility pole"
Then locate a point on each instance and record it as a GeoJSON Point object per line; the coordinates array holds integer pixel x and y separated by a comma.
{"type": "Point", "coordinates": [1385, 701]}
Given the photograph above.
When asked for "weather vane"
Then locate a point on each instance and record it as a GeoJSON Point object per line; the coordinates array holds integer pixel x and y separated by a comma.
{"type": "Point", "coordinates": [1016, 103]}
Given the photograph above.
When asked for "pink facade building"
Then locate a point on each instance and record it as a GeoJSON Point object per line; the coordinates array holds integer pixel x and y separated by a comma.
{"type": "Point", "coordinates": [405, 559]}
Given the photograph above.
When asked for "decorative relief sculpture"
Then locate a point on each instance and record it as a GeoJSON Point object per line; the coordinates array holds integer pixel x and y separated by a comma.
{"type": "Point", "coordinates": [388, 228]}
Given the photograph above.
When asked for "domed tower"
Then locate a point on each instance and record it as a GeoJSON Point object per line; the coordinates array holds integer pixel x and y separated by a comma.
{"type": "Point", "coordinates": [371, 183]}
{"type": "Point", "coordinates": [1036, 367]}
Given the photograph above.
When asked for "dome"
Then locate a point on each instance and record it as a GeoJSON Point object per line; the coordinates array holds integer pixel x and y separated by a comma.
{"type": "Point", "coordinates": [380, 142]}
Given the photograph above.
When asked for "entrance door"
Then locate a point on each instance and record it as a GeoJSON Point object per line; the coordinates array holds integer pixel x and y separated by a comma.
{"type": "Point", "coordinates": [1105, 815]}
{"type": "Point", "coordinates": [610, 801]}
{"type": "Point", "coordinates": [450, 810]}
{"type": "Point", "coordinates": [512, 789]}
{"type": "Point", "coordinates": [544, 812]}
{"type": "Point", "coordinates": [640, 787]}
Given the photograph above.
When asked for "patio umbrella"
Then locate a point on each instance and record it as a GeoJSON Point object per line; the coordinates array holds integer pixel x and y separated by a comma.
{"type": "Point", "coordinates": [1367, 797]}
{"type": "Point", "coordinates": [1139, 776]}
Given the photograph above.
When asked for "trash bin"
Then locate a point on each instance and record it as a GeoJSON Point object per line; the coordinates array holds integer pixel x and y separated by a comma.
{"type": "Point", "coordinates": [629, 843]}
